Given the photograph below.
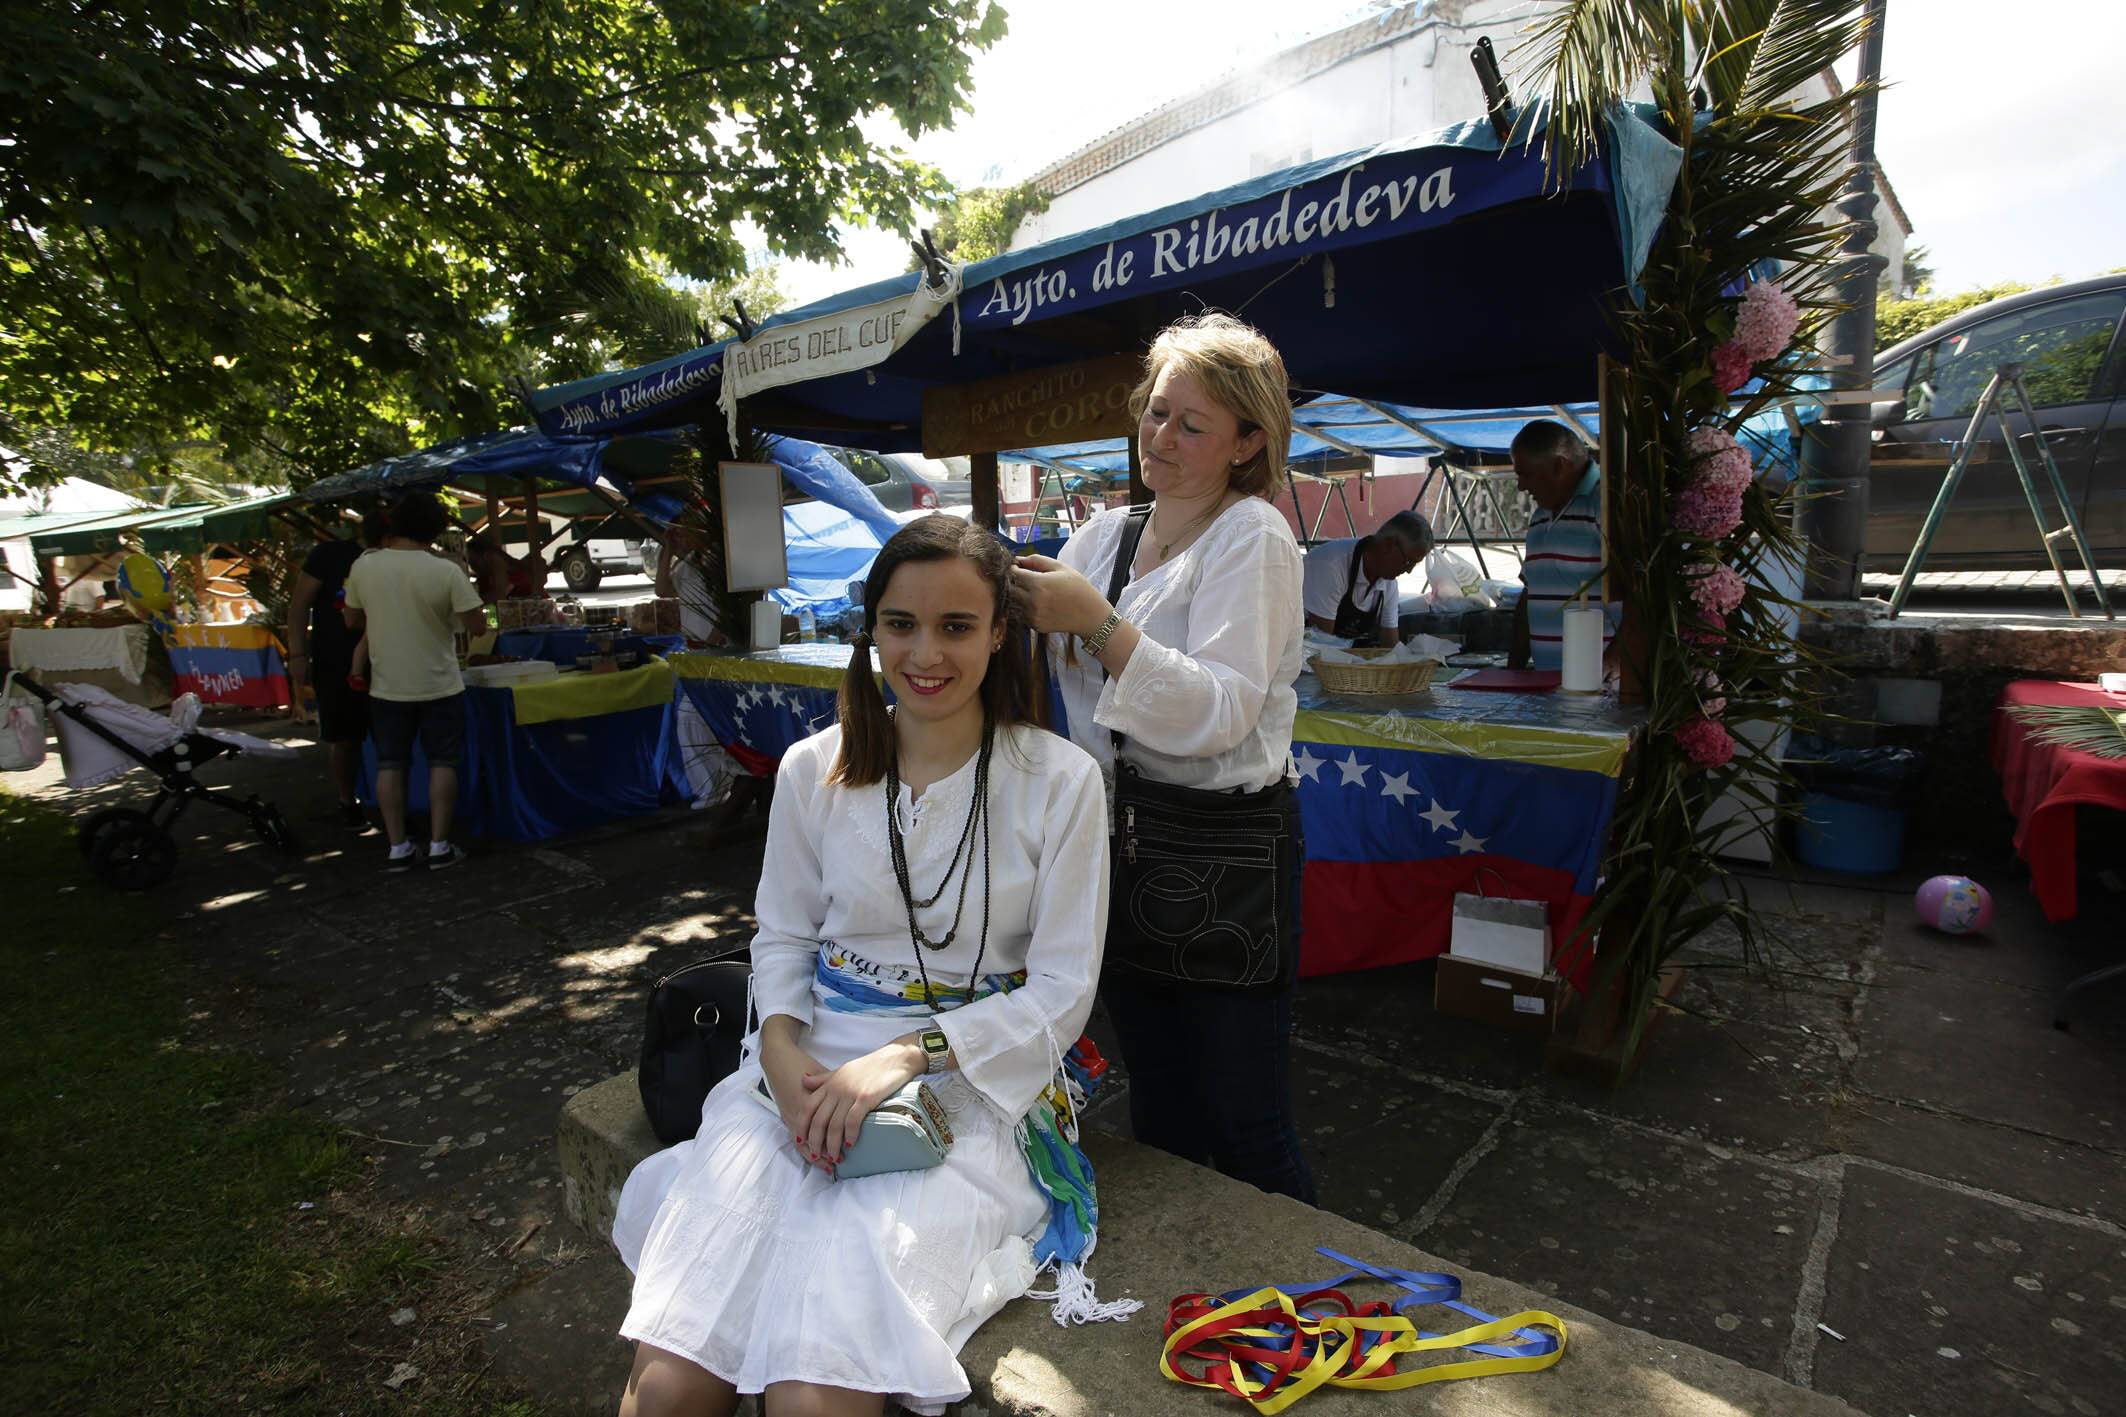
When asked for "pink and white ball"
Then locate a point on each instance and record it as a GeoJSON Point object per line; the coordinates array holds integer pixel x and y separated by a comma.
{"type": "Point", "coordinates": [1954, 905]}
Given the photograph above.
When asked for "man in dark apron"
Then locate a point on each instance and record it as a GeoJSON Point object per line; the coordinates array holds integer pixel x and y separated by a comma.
{"type": "Point", "coordinates": [1350, 583]}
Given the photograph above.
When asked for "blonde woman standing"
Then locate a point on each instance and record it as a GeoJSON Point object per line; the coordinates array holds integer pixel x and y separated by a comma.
{"type": "Point", "coordinates": [1180, 630]}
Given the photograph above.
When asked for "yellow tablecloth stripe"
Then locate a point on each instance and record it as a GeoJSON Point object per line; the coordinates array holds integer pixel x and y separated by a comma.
{"type": "Point", "coordinates": [1499, 742]}
{"type": "Point", "coordinates": [754, 671]}
{"type": "Point", "coordinates": [589, 695]}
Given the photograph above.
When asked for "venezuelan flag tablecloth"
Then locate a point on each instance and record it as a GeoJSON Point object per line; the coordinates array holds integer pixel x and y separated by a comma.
{"type": "Point", "coordinates": [1407, 801]}
{"type": "Point", "coordinates": [228, 664]}
{"type": "Point", "coordinates": [556, 755]}
{"type": "Point", "coordinates": [761, 705]}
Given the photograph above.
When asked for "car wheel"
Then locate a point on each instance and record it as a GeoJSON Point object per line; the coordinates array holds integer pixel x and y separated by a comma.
{"type": "Point", "coordinates": [579, 570]}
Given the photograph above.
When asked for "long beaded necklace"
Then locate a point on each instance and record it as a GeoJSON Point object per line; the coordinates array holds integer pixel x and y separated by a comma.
{"type": "Point", "coordinates": [978, 810]}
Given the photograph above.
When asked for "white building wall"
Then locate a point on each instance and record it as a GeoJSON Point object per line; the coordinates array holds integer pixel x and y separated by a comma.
{"type": "Point", "coordinates": [1417, 84]}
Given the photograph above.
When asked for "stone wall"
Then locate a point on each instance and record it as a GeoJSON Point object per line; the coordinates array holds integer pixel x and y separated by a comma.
{"type": "Point", "coordinates": [1931, 683]}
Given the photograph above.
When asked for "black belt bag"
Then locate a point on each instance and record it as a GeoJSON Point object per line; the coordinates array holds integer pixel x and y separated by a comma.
{"type": "Point", "coordinates": [1205, 887]}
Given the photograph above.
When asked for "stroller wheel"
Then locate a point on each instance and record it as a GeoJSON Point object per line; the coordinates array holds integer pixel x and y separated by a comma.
{"type": "Point", "coordinates": [273, 829]}
{"type": "Point", "coordinates": [133, 855]}
{"type": "Point", "coordinates": [92, 826]}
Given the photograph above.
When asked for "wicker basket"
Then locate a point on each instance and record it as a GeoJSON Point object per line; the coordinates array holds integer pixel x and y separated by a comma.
{"type": "Point", "coordinates": [1406, 676]}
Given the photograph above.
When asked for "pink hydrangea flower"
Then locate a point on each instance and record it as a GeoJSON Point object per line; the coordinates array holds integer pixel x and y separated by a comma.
{"type": "Point", "coordinates": [1731, 366]}
{"type": "Point", "coordinates": [1710, 504]}
{"type": "Point", "coordinates": [1708, 744]}
{"type": "Point", "coordinates": [1765, 321]}
{"type": "Point", "coordinates": [1710, 630]}
{"type": "Point", "coordinates": [1717, 589]}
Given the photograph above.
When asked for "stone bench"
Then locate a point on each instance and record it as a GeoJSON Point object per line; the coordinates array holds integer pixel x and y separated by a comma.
{"type": "Point", "coordinates": [1167, 1227]}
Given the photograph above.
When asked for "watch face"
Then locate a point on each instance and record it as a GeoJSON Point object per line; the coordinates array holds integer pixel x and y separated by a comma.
{"type": "Point", "coordinates": [934, 1041]}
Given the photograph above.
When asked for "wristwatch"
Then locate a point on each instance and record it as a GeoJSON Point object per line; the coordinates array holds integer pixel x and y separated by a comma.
{"type": "Point", "coordinates": [936, 1049]}
{"type": "Point", "coordinates": [1097, 640]}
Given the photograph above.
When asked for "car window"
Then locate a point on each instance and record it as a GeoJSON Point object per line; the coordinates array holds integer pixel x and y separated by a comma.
{"type": "Point", "coordinates": [870, 469]}
{"type": "Point", "coordinates": [2060, 345]}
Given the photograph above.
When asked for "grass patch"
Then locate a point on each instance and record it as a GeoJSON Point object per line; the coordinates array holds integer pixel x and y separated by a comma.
{"type": "Point", "coordinates": [173, 1238]}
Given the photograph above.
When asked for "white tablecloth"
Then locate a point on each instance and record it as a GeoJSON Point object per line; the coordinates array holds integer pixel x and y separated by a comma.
{"type": "Point", "coordinates": [121, 647]}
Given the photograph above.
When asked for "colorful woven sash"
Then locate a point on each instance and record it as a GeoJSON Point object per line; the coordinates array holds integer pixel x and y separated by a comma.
{"type": "Point", "coordinates": [1274, 1345]}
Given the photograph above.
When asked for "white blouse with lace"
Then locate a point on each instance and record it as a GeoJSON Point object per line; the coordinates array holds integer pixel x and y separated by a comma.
{"type": "Point", "coordinates": [1206, 699]}
{"type": "Point", "coordinates": [758, 1266]}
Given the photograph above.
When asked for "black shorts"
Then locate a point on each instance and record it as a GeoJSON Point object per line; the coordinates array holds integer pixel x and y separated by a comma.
{"type": "Point", "coordinates": [342, 713]}
{"type": "Point", "coordinates": [439, 722]}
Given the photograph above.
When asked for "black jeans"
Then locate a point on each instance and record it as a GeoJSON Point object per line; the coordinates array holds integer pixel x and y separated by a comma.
{"type": "Point", "coordinates": [1210, 1078]}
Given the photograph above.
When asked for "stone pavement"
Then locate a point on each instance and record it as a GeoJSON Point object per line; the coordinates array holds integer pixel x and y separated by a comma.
{"type": "Point", "coordinates": [1888, 1179]}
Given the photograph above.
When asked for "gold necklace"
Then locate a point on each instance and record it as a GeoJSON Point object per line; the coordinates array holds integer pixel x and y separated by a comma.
{"type": "Point", "coordinates": [1171, 542]}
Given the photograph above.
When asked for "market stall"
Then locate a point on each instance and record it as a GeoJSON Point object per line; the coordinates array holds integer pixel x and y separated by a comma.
{"type": "Point", "coordinates": [557, 754]}
{"type": "Point", "coordinates": [1409, 800]}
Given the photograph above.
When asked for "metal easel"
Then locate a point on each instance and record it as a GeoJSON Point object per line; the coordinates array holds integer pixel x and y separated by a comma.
{"type": "Point", "coordinates": [2008, 377]}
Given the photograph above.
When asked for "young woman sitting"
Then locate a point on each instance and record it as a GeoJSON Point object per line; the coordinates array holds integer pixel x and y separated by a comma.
{"type": "Point", "coordinates": [932, 905]}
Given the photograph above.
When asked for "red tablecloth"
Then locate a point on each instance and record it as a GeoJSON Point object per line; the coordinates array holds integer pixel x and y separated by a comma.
{"type": "Point", "coordinates": [2044, 784]}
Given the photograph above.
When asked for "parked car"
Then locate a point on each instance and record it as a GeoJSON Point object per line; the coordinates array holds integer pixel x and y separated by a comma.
{"type": "Point", "coordinates": [891, 478]}
{"type": "Point", "coordinates": [951, 478]}
{"type": "Point", "coordinates": [2067, 339]}
{"type": "Point", "coordinates": [595, 550]}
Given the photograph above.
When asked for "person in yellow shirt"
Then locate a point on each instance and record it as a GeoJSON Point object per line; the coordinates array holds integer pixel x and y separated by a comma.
{"type": "Point", "coordinates": [411, 602]}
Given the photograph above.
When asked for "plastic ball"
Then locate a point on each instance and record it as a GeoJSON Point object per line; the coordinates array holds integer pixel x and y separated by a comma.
{"type": "Point", "coordinates": [143, 584]}
{"type": "Point", "coordinates": [1955, 905]}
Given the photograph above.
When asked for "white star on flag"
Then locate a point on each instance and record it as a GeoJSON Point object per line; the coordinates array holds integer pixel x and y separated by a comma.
{"type": "Point", "coordinates": [1441, 819]}
{"type": "Point", "coordinates": [1397, 785]}
{"type": "Point", "coordinates": [1466, 843]}
{"type": "Point", "coordinates": [1309, 766]}
{"type": "Point", "coordinates": [775, 696]}
{"type": "Point", "coordinates": [1353, 770]}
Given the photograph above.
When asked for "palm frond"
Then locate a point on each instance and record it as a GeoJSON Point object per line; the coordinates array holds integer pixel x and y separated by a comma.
{"type": "Point", "coordinates": [1587, 56]}
{"type": "Point", "coordinates": [2081, 728]}
{"type": "Point", "coordinates": [1799, 40]}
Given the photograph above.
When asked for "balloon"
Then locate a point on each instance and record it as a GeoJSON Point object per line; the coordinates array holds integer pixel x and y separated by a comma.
{"type": "Point", "coordinates": [1955, 905]}
{"type": "Point", "coordinates": [144, 585]}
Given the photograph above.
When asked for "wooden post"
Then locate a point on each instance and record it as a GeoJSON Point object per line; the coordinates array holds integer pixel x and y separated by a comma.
{"type": "Point", "coordinates": [494, 511]}
{"type": "Point", "coordinates": [988, 501]}
{"type": "Point", "coordinates": [1139, 494]}
{"type": "Point", "coordinates": [534, 529]}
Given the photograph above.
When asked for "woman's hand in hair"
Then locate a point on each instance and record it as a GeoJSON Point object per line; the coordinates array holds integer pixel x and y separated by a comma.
{"type": "Point", "coordinates": [786, 1066]}
{"type": "Point", "coordinates": [840, 1100]}
{"type": "Point", "coordinates": [1058, 599]}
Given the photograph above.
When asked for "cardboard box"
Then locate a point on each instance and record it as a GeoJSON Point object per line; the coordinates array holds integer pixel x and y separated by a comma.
{"type": "Point", "coordinates": [1500, 931]}
{"type": "Point", "coordinates": [1506, 999]}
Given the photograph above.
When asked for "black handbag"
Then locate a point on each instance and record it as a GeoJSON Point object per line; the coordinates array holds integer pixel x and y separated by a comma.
{"type": "Point", "coordinates": [691, 1041]}
{"type": "Point", "coordinates": [1205, 888]}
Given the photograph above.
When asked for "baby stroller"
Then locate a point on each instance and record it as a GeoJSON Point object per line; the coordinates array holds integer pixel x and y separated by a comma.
{"type": "Point", "coordinates": [102, 737]}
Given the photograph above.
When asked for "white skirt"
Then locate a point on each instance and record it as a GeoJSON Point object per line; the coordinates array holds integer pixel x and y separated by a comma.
{"type": "Point", "coordinates": [756, 1265]}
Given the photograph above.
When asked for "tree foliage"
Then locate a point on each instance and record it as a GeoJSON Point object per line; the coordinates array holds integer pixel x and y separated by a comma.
{"type": "Point", "coordinates": [980, 221]}
{"type": "Point", "coordinates": [328, 232]}
{"type": "Point", "coordinates": [1897, 320]}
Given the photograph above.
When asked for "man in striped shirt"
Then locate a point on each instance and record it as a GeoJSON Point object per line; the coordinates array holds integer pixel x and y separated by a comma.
{"type": "Point", "coordinates": [1564, 552]}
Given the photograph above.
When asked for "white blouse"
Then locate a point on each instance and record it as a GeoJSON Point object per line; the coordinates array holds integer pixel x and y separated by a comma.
{"type": "Point", "coordinates": [828, 876]}
{"type": "Point", "coordinates": [1206, 700]}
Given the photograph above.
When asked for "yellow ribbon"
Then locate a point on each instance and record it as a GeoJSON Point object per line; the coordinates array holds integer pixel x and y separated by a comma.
{"type": "Point", "coordinates": [1336, 1336]}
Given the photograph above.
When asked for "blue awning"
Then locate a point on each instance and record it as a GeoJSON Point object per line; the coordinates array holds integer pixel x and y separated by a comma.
{"type": "Point", "coordinates": [1439, 270]}
{"type": "Point", "coordinates": [1332, 425]}
{"type": "Point", "coordinates": [517, 454]}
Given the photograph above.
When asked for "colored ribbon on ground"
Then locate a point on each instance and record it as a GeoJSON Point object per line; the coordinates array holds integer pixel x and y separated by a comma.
{"type": "Point", "coordinates": [1273, 1345]}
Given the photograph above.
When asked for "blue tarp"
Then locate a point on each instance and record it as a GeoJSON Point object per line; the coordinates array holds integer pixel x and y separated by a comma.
{"type": "Point", "coordinates": [1438, 269]}
{"type": "Point", "coordinates": [519, 453]}
{"type": "Point", "coordinates": [827, 549]}
{"type": "Point", "coordinates": [1401, 431]}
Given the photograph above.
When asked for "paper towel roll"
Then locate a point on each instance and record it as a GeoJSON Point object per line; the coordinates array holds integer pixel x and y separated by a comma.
{"type": "Point", "coordinates": [1583, 650]}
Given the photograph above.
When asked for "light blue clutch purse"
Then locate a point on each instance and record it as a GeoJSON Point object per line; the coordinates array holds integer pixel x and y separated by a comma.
{"type": "Point", "coordinates": [906, 1132]}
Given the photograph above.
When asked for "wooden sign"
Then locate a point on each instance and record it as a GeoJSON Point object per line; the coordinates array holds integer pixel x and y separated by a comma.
{"type": "Point", "coordinates": [1064, 403]}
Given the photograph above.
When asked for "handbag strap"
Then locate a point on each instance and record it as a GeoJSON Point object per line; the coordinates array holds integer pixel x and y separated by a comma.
{"type": "Point", "coordinates": [1133, 523]}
